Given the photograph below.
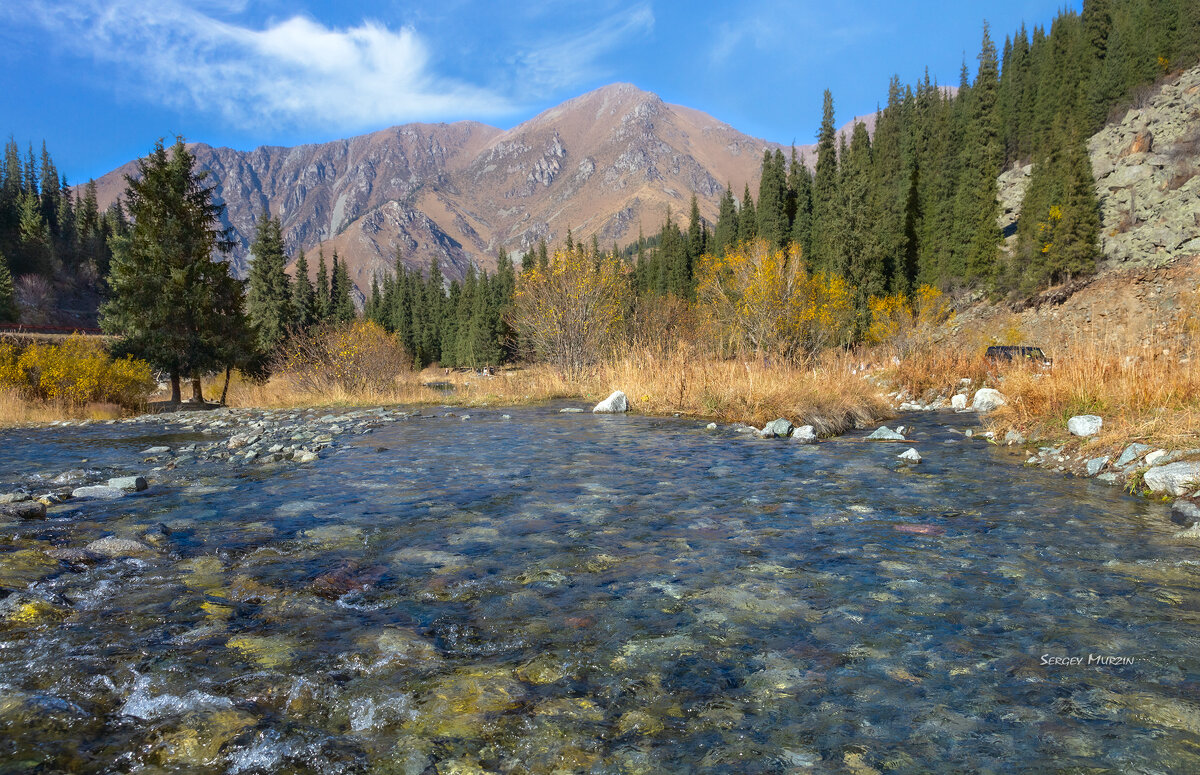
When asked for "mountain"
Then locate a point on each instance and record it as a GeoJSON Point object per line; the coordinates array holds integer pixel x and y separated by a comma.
{"type": "Point", "coordinates": [607, 163]}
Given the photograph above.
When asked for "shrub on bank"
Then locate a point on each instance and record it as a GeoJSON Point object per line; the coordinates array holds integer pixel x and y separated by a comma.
{"type": "Point", "coordinates": [358, 357]}
{"type": "Point", "coordinates": [75, 371]}
{"type": "Point", "coordinates": [761, 301]}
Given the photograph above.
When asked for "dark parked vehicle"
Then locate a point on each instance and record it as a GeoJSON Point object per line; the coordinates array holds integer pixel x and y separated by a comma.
{"type": "Point", "coordinates": [1006, 352]}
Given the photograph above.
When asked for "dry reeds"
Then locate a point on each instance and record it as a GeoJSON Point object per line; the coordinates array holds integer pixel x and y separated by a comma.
{"type": "Point", "coordinates": [1144, 394]}
{"type": "Point", "coordinates": [18, 410]}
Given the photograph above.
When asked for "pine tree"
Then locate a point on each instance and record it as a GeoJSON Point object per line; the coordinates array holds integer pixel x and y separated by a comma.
{"type": "Point", "coordinates": [268, 294]}
{"type": "Point", "coordinates": [374, 307]}
{"type": "Point", "coordinates": [304, 302]}
{"type": "Point", "coordinates": [747, 218]}
{"type": "Point", "coordinates": [800, 184]}
{"type": "Point", "coordinates": [860, 256]}
{"type": "Point", "coordinates": [8, 299]}
{"type": "Point", "coordinates": [1059, 228]}
{"type": "Point", "coordinates": [772, 201]}
{"type": "Point", "coordinates": [173, 302]}
{"type": "Point", "coordinates": [824, 191]}
{"type": "Point", "coordinates": [726, 231]}
{"type": "Point", "coordinates": [978, 191]}
{"type": "Point", "coordinates": [341, 305]}
{"type": "Point", "coordinates": [35, 249]}
{"type": "Point", "coordinates": [324, 304]}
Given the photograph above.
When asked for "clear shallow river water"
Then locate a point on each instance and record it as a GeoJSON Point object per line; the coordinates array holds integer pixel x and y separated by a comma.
{"type": "Point", "coordinates": [571, 593]}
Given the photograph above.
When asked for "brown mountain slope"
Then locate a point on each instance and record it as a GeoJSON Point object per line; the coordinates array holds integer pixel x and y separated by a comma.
{"type": "Point", "coordinates": [606, 163]}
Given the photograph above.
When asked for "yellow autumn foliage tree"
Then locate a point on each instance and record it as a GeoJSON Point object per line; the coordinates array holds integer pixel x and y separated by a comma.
{"type": "Point", "coordinates": [764, 301]}
{"type": "Point", "coordinates": [904, 321]}
{"type": "Point", "coordinates": [571, 311]}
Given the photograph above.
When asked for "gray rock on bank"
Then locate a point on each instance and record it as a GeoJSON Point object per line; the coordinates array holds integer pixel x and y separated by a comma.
{"type": "Point", "coordinates": [1173, 478]}
{"type": "Point", "coordinates": [805, 434]}
{"type": "Point", "coordinates": [614, 404]}
{"type": "Point", "coordinates": [1132, 453]}
{"type": "Point", "coordinates": [958, 402]}
{"type": "Point", "coordinates": [987, 400]}
{"type": "Point", "coordinates": [1085, 425]}
{"type": "Point", "coordinates": [780, 428]}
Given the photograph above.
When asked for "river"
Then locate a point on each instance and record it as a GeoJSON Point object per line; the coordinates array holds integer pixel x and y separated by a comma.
{"type": "Point", "coordinates": [595, 594]}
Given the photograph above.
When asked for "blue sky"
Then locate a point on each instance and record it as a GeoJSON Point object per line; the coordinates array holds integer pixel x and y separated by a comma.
{"type": "Point", "coordinates": [101, 80]}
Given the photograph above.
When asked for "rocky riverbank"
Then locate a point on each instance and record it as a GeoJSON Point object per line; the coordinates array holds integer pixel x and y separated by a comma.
{"type": "Point", "coordinates": [239, 438]}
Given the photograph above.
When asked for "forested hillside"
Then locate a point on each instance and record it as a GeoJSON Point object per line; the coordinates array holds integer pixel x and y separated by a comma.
{"type": "Point", "coordinates": [916, 202]}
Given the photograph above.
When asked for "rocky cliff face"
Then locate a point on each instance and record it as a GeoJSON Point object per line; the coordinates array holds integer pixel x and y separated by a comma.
{"type": "Point", "coordinates": [604, 163]}
{"type": "Point", "coordinates": [1147, 171]}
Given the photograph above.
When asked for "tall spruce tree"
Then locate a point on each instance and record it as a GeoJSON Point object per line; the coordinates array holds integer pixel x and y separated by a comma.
{"type": "Point", "coordinates": [324, 303]}
{"type": "Point", "coordinates": [173, 302]}
{"type": "Point", "coordinates": [304, 301]}
{"type": "Point", "coordinates": [268, 293]}
{"type": "Point", "coordinates": [824, 190]}
{"type": "Point", "coordinates": [979, 207]}
{"type": "Point", "coordinates": [772, 201]}
{"type": "Point", "coordinates": [800, 185]}
{"type": "Point", "coordinates": [747, 218]}
{"type": "Point", "coordinates": [341, 305]}
{"type": "Point", "coordinates": [8, 298]}
{"type": "Point", "coordinates": [726, 231]}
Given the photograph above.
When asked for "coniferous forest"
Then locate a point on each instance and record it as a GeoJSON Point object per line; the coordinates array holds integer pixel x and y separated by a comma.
{"type": "Point", "coordinates": [911, 203]}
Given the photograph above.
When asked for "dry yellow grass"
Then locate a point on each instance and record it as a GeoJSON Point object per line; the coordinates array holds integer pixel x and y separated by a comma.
{"type": "Point", "coordinates": [1143, 395]}
{"type": "Point", "coordinates": [825, 394]}
{"type": "Point", "coordinates": [15, 410]}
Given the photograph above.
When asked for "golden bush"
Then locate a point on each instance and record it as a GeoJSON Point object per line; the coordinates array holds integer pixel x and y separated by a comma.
{"type": "Point", "coordinates": [571, 311]}
{"type": "Point", "coordinates": [907, 322]}
{"type": "Point", "coordinates": [74, 371]}
{"type": "Point", "coordinates": [765, 301]}
{"type": "Point", "coordinates": [352, 357]}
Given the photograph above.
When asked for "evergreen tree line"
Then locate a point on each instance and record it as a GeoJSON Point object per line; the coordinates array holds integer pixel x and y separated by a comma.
{"type": "Point", "coordinates": [277, 305]}
{"type": "Point", "coordinates": [917, 202]}
{"type": "Point", "coordinates": [453, 324]}
{"type": "Point", "coordinates": [45, 229]}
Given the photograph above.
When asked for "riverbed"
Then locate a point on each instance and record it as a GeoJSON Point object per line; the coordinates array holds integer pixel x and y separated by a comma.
{"type": "Point", "coordinates": [534, 592]}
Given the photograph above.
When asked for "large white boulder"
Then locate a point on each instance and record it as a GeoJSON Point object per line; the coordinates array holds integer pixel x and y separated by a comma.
{"type": "Point", "coordinates": [1173, 478]}
{"type": "Point", "coordinates": [805, 434]}
{"type": "Point", "coordinates": [987, 399]}
{"type": "Point", "coordinates": [1085, 425]}
{"type": "Point", "coordinates": [614, 404]}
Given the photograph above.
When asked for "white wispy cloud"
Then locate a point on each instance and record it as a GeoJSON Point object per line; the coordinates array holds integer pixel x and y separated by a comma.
{"type": "Point", "coordinates": [295, 72]}
{"type": "Point", "coordinates": [567, 61]}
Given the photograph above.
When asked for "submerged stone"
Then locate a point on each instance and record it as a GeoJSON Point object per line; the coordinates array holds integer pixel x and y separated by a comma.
{"type": "Point", "coordinates": [23, 510]}
{"type": "Point", "coordinates": [884, 433]}
{"type": "Point", "coordinates": [269, 651]}
{"type": "Point", "coordinates": [133, 483]}
{"type": "Point", "coordinates": [98, 492]}
{"type": "Point", "coordinates": [112, 546]}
